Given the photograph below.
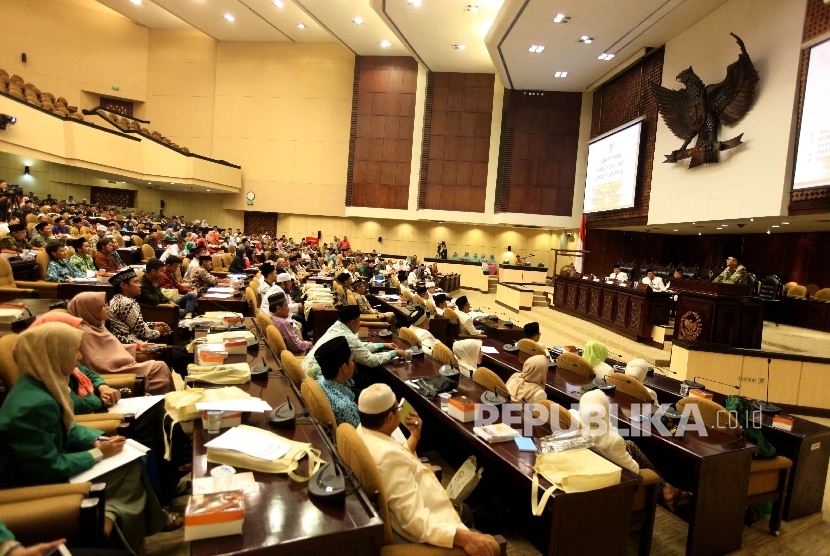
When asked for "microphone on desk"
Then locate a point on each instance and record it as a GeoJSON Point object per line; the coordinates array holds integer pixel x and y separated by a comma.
{"type": "Point", "coordinates": [662, 370]}
{"type": "Point", "coordinates": [492, 397]}
{"type": "Point", "coordinates": [698, 386]}
{"type": "Point", "coordinates": [507, 322]}
{"type": "Point", "coordinates": [765, 406]}
{"type": "Point", "coordinates": [283, 416]}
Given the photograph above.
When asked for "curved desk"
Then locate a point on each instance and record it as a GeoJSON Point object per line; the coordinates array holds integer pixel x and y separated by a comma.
{"type": "Point", "coordinates": [472, 277]}
{"type": "Point", "coordinates": [523, 274]}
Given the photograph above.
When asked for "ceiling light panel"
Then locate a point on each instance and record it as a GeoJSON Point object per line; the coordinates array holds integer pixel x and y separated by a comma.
{"type": "Point", "coordinates": [460, 46]}
{"type": "Point", "coordinates": [288, 17]}
{"type": "Point", "coordinates": [561, 18]}
{"type": "Point", "coordinates": [586, 39]}
{"type": "Point", "coordinates": [561, 74]}
{"type": "Point", "coordinates": [250, 19]}
{"type": "Point", "coordinates": [536, 49]}
{"type": "Point", "coordinates": [340, 19]}
{"type": "Point", "coordinates": [471, 8]}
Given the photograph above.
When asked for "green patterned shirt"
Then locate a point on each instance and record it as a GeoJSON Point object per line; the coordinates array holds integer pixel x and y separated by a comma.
{"type": "Point", "coordinates": [12, 244]}
{"type": "Point", "coordinates": [732, 276]}
{"type": "Point", "coordinates": [83, 263]}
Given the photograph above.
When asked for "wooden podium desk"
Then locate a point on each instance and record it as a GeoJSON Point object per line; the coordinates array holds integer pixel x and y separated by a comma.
{"type": "Point", "coordinates": [563, 528]}
{"type": "Point", "coordinates": [714, 467]}
{"type": "Point", "coordinates": [717, 313]}
{"type": "Point", "coordinates": [629, 310]}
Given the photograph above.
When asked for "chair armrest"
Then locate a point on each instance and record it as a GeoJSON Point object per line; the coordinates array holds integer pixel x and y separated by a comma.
{"type": "Point", "coordinates": [24, 494]}
{"type": "Point", "coordinates": [468, 336]}
{"type": "Point", "coordinates": [8, 293]}
{"type": "Point", "coordinates": [120, 380]}
{"type": "Point", "coordinates": [649, 476]}
{"type": "Point", "coordinates": [49, 289]}
{"type": "Point", "coordinates": [107, 422]}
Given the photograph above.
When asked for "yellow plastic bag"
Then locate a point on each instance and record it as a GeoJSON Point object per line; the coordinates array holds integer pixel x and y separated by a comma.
{"type": "Point", "coordinates": [571, 471]}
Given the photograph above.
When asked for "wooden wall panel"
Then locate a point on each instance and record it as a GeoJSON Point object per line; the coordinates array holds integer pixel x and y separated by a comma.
{"type": "Point", "coordinates": [537, 161]}
{"type": "Point", "coordinates": [383, 120]}
{"type": "Point", "coordinates": [456, 144]}
{"type": "Point", "coordinates": [799, 256]}
{"type": "Point", "coordinates": [622, 99]}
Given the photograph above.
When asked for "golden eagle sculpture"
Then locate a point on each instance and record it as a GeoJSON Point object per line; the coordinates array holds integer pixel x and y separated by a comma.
{"type": "Point", "coordinates": [697, 109]}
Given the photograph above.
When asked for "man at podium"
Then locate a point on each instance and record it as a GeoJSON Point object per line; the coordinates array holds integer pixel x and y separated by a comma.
{"type": "Point", "coordinates": [734, 273]}
{"type": "Point", "coordinates": [655, 282]}
{"type": "Point", "coordinates": [618, 275]}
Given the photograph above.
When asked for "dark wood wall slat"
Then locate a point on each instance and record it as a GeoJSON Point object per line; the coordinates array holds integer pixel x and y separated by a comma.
{"type": "Point", "coordinates": [380, 142]}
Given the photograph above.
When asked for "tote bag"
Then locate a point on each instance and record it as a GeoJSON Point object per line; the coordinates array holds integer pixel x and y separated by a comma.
{"type": "Point", "coordinates": [578, 470]}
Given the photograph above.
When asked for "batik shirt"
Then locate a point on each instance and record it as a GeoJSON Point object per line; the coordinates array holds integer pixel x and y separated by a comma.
{"type": "Point", "coordinates": [202, 280]}
{"type": "Point", "coordinates": [366, 353]}
{"type": "Point", "coordinates": [732, 276]}
{"type": "Point", "coordinates": [83, 263]}
{"type": "Point", "coordinates": [341, 399]}
{"type": "Point", "coordinates": [60, 270]}
{"type": "Point", "coordinates": [126, 322]}
{"type": "Point", "coordinates": [12, 244]}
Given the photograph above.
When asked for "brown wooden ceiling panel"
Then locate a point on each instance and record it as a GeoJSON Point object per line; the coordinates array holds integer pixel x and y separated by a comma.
{"type": "Point", "coordinates": [383, 121]}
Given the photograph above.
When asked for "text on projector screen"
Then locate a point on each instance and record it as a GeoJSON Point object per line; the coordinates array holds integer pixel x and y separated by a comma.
{"type": "Point", "coordinates": [812, 163]}
{"type": "Point", "coordinates": [612, 170]}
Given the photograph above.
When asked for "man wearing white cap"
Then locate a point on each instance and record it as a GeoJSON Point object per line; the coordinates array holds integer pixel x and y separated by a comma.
{"type": "Point", "coordinates": [293, 308]}
{"type": "Point", "coordinates": [100, 232]}
{"type": "Point", "coordinates": [420, 510]}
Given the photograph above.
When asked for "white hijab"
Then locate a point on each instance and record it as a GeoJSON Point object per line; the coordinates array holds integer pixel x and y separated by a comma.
{"type": "Point", "coordinates": [594, 413]}
{"type": "Point", "coordinates": [638, 369]}
{"type": "Point", "coordinates": [466, 351]}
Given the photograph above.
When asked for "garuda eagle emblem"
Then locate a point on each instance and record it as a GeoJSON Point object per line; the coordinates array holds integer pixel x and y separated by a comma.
{"type": "Point", "coordinates": [697, 109]}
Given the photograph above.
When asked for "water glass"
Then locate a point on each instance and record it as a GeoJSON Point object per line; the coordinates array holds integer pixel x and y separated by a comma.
{"type": "Point", "coordinates": [408, 356]}
{"type": "Point", "coordinates": [222, 477]}
{"type": "Point", "coordinates": [684, 389]}
{"type": "Point", "coordinates": [444, 397]}
{"type": "Point", "coordinates": [214, 421]}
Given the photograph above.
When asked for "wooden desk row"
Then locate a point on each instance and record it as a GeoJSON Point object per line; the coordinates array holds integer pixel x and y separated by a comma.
{"type": "Point", "coordinates": [714, 467]}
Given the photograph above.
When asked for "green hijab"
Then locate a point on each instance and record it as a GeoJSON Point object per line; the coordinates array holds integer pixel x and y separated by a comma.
{"type": "Point", "coordinates": [594, 353]}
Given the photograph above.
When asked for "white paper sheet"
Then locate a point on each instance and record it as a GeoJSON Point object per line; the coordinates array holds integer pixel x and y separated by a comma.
{"type": "Point", "coordinates": [219, 295]}
{"type": "Point", "coordinates": [254, 405]}
{"type": "Point", "coordinates": [220, 290]}
{"type": "Point", "coordinates": [488, 349]}
{"type": "Point", "coordinates": [240, 481]}
{"type": "Point", "coordinates": [259, 446]}
{"type": "Point", "coordinates": [132, 450]}
{"type": "Point", "coordinates": [137, 405]}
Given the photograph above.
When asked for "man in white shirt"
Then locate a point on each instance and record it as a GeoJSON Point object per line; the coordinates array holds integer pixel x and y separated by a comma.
{"type": "Point", "coordinates": [618, 275]}
{"type": "Point", "coordinates": [465, 321]}
{"type": "Point", "coordinates": [293, 308]}
{"type": "Point", "coordinates": [419, 508]}
{"type": "Point", "coordinates": [655, 282]}
{"type": "Point", "coordinates": [404, 281]}
{"type": "Point", "coordinates": [420, 326]}
{"type": "Point", "coordinates": [175, 248]}
{"type": "Point", "coordinates": [440, 301]}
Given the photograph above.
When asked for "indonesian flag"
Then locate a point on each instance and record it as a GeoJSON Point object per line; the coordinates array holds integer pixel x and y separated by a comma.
{"type": "Point", "coordinates": [580, 245]}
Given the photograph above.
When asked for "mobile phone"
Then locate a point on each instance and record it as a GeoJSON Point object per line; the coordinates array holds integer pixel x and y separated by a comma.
{"type": "Point", "coordinates": [405, 410]}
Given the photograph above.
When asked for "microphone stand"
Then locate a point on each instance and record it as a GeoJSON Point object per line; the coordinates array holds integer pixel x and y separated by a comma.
{"type": "Point", "coordinates": [765, 406]}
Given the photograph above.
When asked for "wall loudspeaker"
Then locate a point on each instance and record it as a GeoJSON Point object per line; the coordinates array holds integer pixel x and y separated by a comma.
{"type": "Point", "coordinates": [380, 239]}
{"type": "Point", "coordinates": [162, 203]}
{"type": "Point", "coordinates": [319, 234]}
{"type": "Point", "coordinates": [23, 57]}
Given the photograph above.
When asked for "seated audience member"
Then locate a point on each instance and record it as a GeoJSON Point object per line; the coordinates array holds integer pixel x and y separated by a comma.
{"type": "Point", "coordinates": [269, 278]}
{"type": "Point", "coordinates": [9, 546]}
{"type": "Point", "coordinates": [202, 279]}
{"type": "Point", "coordinates": [366, 307]}
{"type": "Point", "coordinates": [125, 320]}
{"type": "Point", "coordinates": [278, 309]}
{"type": "Point", "coordinates": [294, 309]}
{"type": "Point", "coordinates": [43, 444]}
{"type": "Point", "coordinates": [403, 279]}
{"type": "Point", "coordinates": [431, 290]}
{"type": "Point", "coordinates": [419, 508]}
{"type": "Point", "coordinates": [60, 269]}
{"type": "Point", "coordinates": [82, 260]}
{"type": "Point", "coordinates": [337, 369]}
{"type": "Point", "coordinates": [532, 332]}
{"type": "Point", "coordinates": [194, 263]}
{"type": "Point", "coordinates": [678, 275]}
{"type": "Point", "coordinates": [152, 240]}
{"type": "Point", "coordinates": [734, 273]}
{"type": "Point", "coordinates": [528, 386]}
{"type": "Point", "coordinates": [618, 275]}
{"type": "Point", "coordinates": [151, 293]}
{"type": "Point", "coordinates": [594, 413]}
{"type": "Point", "coordinates": [90, 393]}
{"type": "Point", "coordinates": [60, 228]}
{"type": "Point", "coordinates": [440, 301]}
{"type": "Point", "coordinates": [106, 258]}
{"type": "Point", "coordinates": [238, 264]}
{"type": "Point", "coordinates": [341, 294]}
{"type": "Point", "coordinates": [421, 295]}
{"type": "Point", "coordinates": [43, 235]}
{"type": "Point", "coordinates": [465, 321]}
{"type": "Point", "coordinates": [175, 248]}
{"type": "Point", "coordinates": [371, 354]}
{"type": "Point", "coordinates": [100, 233]}
{"type": "Point", "coordinates": [420, 326]}
{"type": "Point", "coordinates": [469, 354]}
{"type": "Point", "coordinates": [655, 282]}
{"type": "Point", "coordinates": [638, 368]}
{"type": "Point", "coordinates": [595, 354]}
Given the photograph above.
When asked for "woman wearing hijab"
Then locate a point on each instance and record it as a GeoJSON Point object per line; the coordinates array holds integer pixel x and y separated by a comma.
{"type": "Point", "coordinates": [595, 414]}
{"type": "Point", "coordinates": [103, 353]}
{"type": "Point", "coordinates": [43, 444]}
{"type": "Point", "coordinates": [90, 394]}
{"type": "Point", "coordinates": [638, 369]}
{"type": "Point", "coordinates": [468, 353]}
{"type": "Point", "coordinates": [595, 354]}
{"type": "Point", "coordinates": [529, 385]}
{"type": "Point", "coordinates": [237, 265]}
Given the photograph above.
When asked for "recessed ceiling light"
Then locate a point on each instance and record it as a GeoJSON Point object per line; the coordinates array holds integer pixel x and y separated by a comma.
{"type": "Point", "coordinates": [700, 234]}
{"type": "Point", "coordinates": [150, 182]}
{"type": "Point", "coordinates": [586, 39]}
{"type": "Point", "coordinates": [675, 230]}
{"type": "Point", "coordinates": [208, 190]}
{"type": "Point", "coordinates": [752, 220]}
{"type": "Point", "coordinates": [413, 2]}
{"type": "Point", "coordinates": [561, 74]}
{"type": "Point", "coordinates": [693, 223]}
{"type": "Point", "coordinates": [725, 225]}
{"type": "Point", "coordinates": [279, 4]}
{"type": "Point", "coordinates": [718, 228]}
{"type": "Point", "coordinates": [785, 222]}
{"type": "Point", "coordinates": [229, 17]}
{"type": "Point", "coordinates": [302, 25]}
{"type": "Point", "coordinates": [605, 56]}
{"type": "Point", "coordinates": [460, 46]}
{"type": "Point", "coordinates": [775, 226]}
{"type": "Point", "coordinates": [385, 43]}
{"type": "Point", "coordinates": [471, 8]}
{"type": "Point", "coordinates": [358, 21]}
{"type": "Point", "coordinates": [768, 231]}
{"type": "Point", "coordinates": [561, 18]}
{"type": "Point", "coordinates": [172, 183]}
{"type": "Point", "coordinates": [536, 48]}
{"type": "Point", "coordinates": [136, 2]}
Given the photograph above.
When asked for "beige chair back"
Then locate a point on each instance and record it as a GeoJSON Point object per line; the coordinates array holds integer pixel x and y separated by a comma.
{"type": "Point", "coordinates": [714, 415]}
{"type": "Point", "coordinates": [42, 259]}
{"type": "Point", "coordinates": [9, 371]}
{"type": "Point", "coordinates": [263, 321]}
{"type": "Point", "coordinates": [147, 252]}
{"type": "Point", "coordinates": [292, 368]}
{"type": "Point", "coordinates": [418, 300]}
{"type": "Point", "coordinates": [406, 294]}
{"type": "Point", "coordinates": [217, 263]}
{"type": "Point", "coordinates": [529, 347]}
{"type": "Point", "coordinates": [812, 289]}
{"type": "Point", "coordinates": [137, 241]}
{"type": "Point", "coordinates": [274, 339]}
{"type": "Point", "coordinates": [409, 336]}
{"type": "Point", "coordinates": [489, 380]}
{"type": "Point", "coordinates": [451, 315]}
{"type": "Point", "coordinates": [823, 294]}
{"type": "Point", "coordinates": [6, 274]}
{"type": "Point", "coordinates": [430, 304]}
{"type": "Point", "coordinates": [444, 355]}
{"type": "Point", "coordinates": [318, 403]}
{"type": "Point", "coordinates": [227, 258]}
{"type": "Point", "coordinates": [575, 364]}
{"type": "Point", "coordinates": [558, 417]}
{"type": "Point", "coordinates": [797, 291]}
{"type": "Point", "coordinates": [119, 240]}
{"type": "Point", "coordinates": [629, 386]}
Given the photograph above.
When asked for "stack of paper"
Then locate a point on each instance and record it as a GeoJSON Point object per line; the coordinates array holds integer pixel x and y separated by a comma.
{"type": "Point", "coordinates": [132, 450]}
{"type": "Point", "coordinates": [254, 405]}
{"type": "Point", "coordinates": [496, 433]}
{"type": "Point", "coordinates": [260, 446]}
{"type": "Point", "coordinates": [137, 405]}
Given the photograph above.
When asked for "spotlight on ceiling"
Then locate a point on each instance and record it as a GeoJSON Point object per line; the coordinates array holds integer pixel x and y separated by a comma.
{"type": "Point", "coordinates": [136, 2]}
{"type": "Point", "coordinates": [385, 43]}
{"type": "Point", "coordinates": [605, 56]}
{"type": "Point", "coordinates": [471, 8]}
{"type": "Point", "coordinates": [561, 18]}
{"type": "Point", "coordinates": [358, 21]}
{"type": "Point", "coordinates": [586, 39]}
{"type": "Point", "coordinates": [460, 46]}
{"type": "Point", "coordinates": [536, 48]}
{"type": "Point", "coordinates": [279, 4]}
{"type": "Point", "coordinates": [229, 17]}
{"type": "Point", "coordinates": [413, 2]}
{"type": "Point", "coordinates": [302, 25]}
{"type": "Point", "coordinates": [561, 74]}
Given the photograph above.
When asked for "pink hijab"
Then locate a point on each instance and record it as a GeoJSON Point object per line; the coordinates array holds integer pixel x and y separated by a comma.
{"type": "Point", "coordinates": [85, 387]}
{"type": "Point", "coordinates": [100, 350]}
